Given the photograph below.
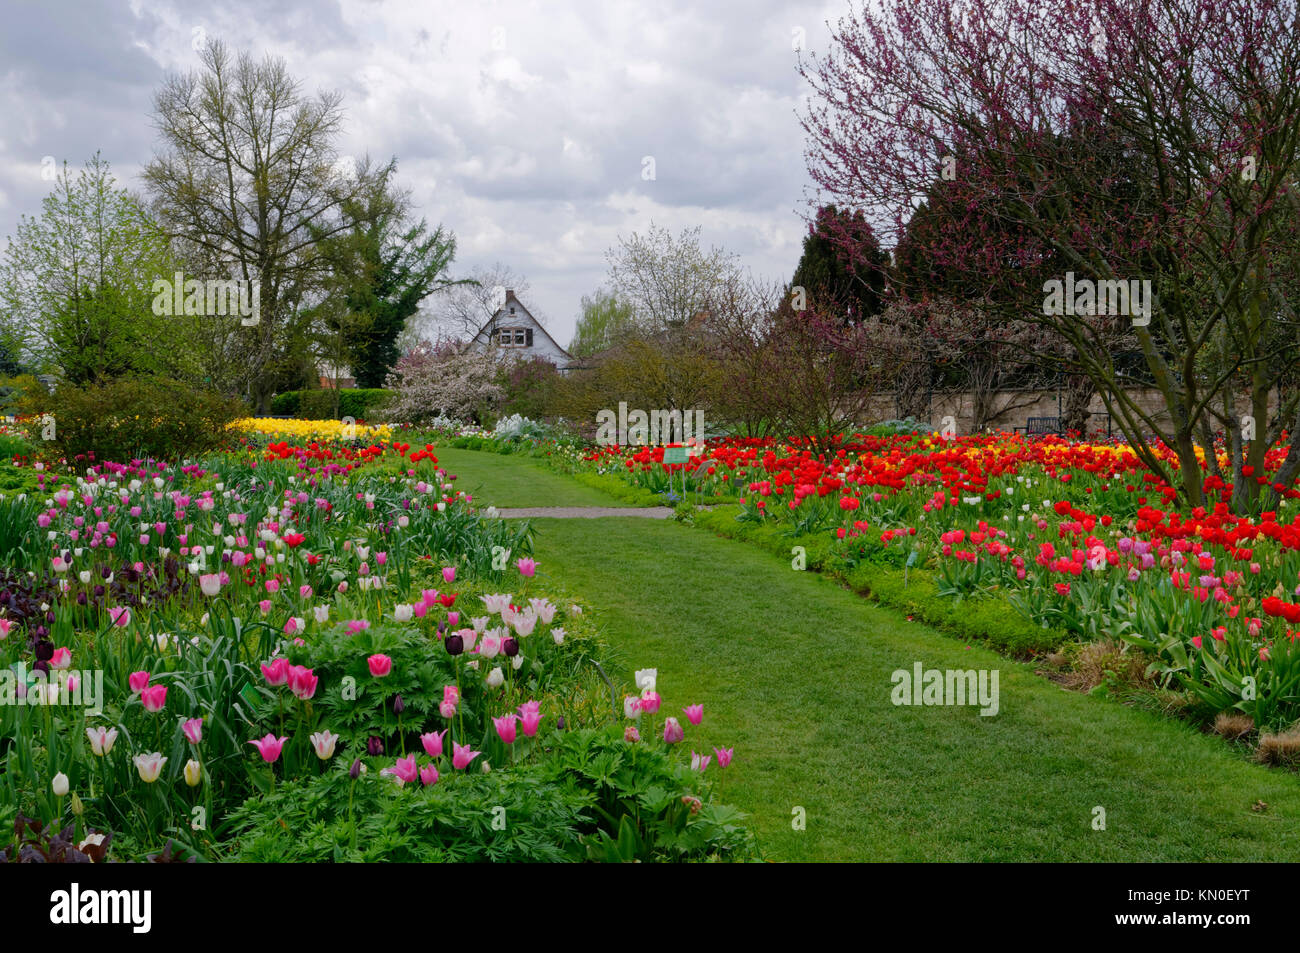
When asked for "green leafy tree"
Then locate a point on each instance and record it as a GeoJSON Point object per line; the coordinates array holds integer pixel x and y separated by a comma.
{"type": "Point", "coordinates": [605, 321]}
{"type": "Point", "coordinates": [76, 285]}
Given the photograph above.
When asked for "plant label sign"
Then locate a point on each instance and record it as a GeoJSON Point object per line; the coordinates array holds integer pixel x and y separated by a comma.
{"type": "Point", "coordinates": [675, 454]}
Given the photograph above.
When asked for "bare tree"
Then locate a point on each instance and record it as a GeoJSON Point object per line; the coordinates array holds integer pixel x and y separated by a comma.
{"type": "Point", "coordinates": [248, 182]}
{"type": "Point", "coordinates": [462, 309]}
{"type": "Point", "coordinates": [669, 280]}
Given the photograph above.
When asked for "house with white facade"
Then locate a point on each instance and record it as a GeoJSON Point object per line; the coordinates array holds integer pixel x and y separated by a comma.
{"type": "Point", "coordinates": [515, 332]}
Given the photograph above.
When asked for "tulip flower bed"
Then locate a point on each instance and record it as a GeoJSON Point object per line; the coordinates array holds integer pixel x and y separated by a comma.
{"type": "Point", "coordinates": [1077, 538]}
{"type": "Point", "coordinates": [269, 655]}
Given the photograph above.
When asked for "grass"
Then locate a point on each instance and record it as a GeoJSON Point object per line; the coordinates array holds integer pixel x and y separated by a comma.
{"type": "Point", "coordinates": [795, 672]}
{"type": "Point", "coordinates": [513, 480]}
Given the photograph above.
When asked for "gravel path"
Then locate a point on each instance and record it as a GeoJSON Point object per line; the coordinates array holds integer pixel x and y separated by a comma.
{"type": "Point", "coordinates": [586, 512]}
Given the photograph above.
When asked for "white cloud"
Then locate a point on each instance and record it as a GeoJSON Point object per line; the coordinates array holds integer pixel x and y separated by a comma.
{"type": "Point", "coordinates": [521, 126]}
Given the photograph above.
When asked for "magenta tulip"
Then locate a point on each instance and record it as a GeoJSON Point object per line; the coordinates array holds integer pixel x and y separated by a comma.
{"type": "Point", "coordinates": [530, 716]}
{"type": "Point", "coordinates": [154, 698]}
{"type": "Point", "coordinates": [277, 673]}
{"type": "Point", "coordinates": [506, 728]}
{"type": "Point", "coordinates": [380, 665]}
{"type": "Point", "coordinates": [461, 756]}
{"type": "Point", "coordinates": [269, 747]}
{"type": "Point", "coordinates": [673, 732]}
{"type": "Point", "coordinates": [433, 743]}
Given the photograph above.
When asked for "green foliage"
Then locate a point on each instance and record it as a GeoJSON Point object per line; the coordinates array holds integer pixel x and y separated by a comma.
{"type": "Point", "coordinates": [605, 321]}
{"type": "Point", "coordinates": [596, 797]}
{"type": "Point", "coordinates": [359, 403]}
{"type": "Point", "coordinates": [76, 284]}
{"type": "Point", "coordinates": [139, 417]}
{"type": "Point", "coordinates": [529, 388]}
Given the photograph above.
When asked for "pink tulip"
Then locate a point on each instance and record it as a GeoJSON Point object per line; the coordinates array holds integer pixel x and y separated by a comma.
{"type": "Point", "coordinates": [506, 728]}
{"type": "Point", "coordinates": [272, 586]}
{"type": "Point", "coordinates": [193, 729]}
{"type": "Point", "coordinates": [724, 756]}
{"type": "Point", "coordinates": [277, 673]}
{"type": "Point", "coordinates": [461, 756]}
{"type": "Point", "coordinates": [449, 574]}
{"type": "Point", "coordinates": [650, 702]}
{"type": "Point", "coordinates": [453, 618]}
{"type": "Point", "coordinates": [269, 747]}
{"type": "Point", "coordinates": [428, 775]}
{"type": "Point", "coordinates": [631, 735]}
{"type": "Point", "coordinates": [210, 583]}
{"type": "Point", "coordinates": [694, 713]}
{"type": "Point", "coordinates": [265, 606]}
{"type": "Point", "coordinates": [404, 770]}
{"type": "Point", "coordinates": [380, 665]}
{"type": "Point", "coordinates": [304, 592]}
{"type": "Point", "coordinates": [450, 699]}
{"type": "Point", "coordinates": [673, 732]}
{"type": "Point", "coordinates": [527, 567]}
{"type": "Point", "coordinates": [433, 743]}
{"type": "Point", "coordinates": [302, 682]}
{"type": "Point", "coordinates": [138, 681]}
{"type": "Point", "coordinates": [531, 716]}
{"type": "Point", "coordinates": [700, 761]}
{"type": "Point", "coordinates": [121, 616]}
{"type": "Point", "coordinates": [6, 625]}
{"type": "Point", "coordinates": [154, 698]}
{"type": "Point", "coordinates": [61, 659]}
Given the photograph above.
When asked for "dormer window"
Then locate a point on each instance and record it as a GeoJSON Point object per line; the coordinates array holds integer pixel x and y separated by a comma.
{"type": "Point", "coordinates": [513, 337]}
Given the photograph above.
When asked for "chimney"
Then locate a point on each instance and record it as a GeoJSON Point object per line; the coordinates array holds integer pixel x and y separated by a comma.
{"type": "Point", "coordinates": [510, 295]}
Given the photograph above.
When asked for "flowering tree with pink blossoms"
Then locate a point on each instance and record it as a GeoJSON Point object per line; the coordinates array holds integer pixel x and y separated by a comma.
{"type": "Point", "coordinates": [1115, 140]}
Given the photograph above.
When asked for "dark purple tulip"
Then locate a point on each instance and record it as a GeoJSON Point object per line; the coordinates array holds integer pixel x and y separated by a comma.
{"type": "Point", "coordinates": [354, 772]}
{"type": "Point", "coordinates": [399, 706]}
{"type": "Point", "coordinates": [510, 646]}
{"type": "Point", "coordinates": [374, 745]}
{"type": "Point", "coordinates": [455, 644]}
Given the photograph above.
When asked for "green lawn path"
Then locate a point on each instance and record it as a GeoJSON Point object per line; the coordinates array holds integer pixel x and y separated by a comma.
{"type": "Point", "coordinates": [794, 672]}
{"type": "Point", "coordinates": [512, 480]}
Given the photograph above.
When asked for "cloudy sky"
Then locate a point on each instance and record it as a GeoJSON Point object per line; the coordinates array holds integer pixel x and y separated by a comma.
{"type": "Point", "coordinates": [523, 127]}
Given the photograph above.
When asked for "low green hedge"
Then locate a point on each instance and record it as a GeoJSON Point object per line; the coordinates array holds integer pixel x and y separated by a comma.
{"type": "Point", "coordinates": [987, 619]}
{"type": "Point", "coordinates": [358, 403]}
